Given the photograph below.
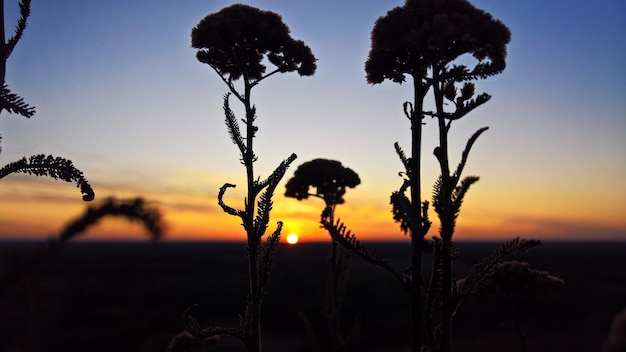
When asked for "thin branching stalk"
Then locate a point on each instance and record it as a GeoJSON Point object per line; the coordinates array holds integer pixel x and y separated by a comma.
{"type": "Point", "coordinates": [446, 224]}
{"type": "Point", "coordinates": [417, 237]}
{"type": "Point", "coordinates": [330, 180]}
{"type": "Point", "coordinates": [420, 41]}
{"type": "Point", "coordinates": [254, 35]}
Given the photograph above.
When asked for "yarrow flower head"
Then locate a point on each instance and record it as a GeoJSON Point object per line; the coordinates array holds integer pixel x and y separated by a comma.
{"type": "Point", "coordinates": [514, 277]}
{"type": "Point", "coordinates": [235, 40]}
{"type": "Point", "coordinates": [412, 38]}
{"type": "Point", "coordinates": [329, 177]}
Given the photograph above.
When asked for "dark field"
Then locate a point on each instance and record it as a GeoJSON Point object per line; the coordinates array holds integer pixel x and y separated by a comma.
{"type": "Point", "coordinates": [130, 296]}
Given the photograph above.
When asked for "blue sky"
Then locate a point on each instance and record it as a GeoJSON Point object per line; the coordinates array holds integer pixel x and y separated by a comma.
{"type": "Point", "coordinates": [118, 90]}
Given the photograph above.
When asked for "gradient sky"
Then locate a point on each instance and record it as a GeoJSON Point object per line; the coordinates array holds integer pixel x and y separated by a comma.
{"type": "Point", "coordinates": [119, 92]}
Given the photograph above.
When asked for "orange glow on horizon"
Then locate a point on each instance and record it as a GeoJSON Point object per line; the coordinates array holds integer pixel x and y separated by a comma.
{"type": "Point", "coordinates": [33, 210]}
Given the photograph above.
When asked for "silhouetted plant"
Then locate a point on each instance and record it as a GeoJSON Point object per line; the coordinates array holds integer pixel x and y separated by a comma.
{"type": "Point", "coordinates": [330, 180]}
{"type": "Point", "coordinates": [136, 209]}
{"type": "Point", "coordinates": [53, 167]}
{"type": "Point", "coordinates": [61, 169]}
{"type": "Point", "coordinates": [421, 40]}
{"type": "Point", "coordinates": [9, 101]}
{"type": "Point", "coordinates": [17, 273]}
{"type": "Point", "coordinates": [517, 283]}
{"type": "Point", "coordinates": [38, 165]}
{"type": "Point", "coordinates": [234, 42]}
{"type": "Point", "coordinates": [58, 168]}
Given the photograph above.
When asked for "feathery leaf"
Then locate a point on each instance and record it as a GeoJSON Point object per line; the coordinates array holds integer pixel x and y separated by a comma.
{"type": "Point", "coordinates": [460, 73]}
{"type": "Point", "coordinates": [14, 104]}
{"type": "Point", "coordinates": [265, 199]}
{"type": "Point", "coordinates": [266, 255]}
{"type": "Point", "coordinates": [403, 212]}
{"type": "Point", "coordinates": [468, 147]}
{"type": "Point", "coordinates": [340, 234]}
{"type": "Point", "coordinates": [480, 272]}
{"type": "Point", "coordinates": [465, 107]}
{"type": "Point", "coordinates": [437, 190]}
{"type": "Point", "coordinates": [20, 27]}
{"type": "Point", "coordinates": [459, 192]}
{"type": "Point", "coordinates": [135, 209]}
{"type": "Point", "coordinates": [57, 168]}
{"type": "Point", "coordinates": [405, 161]}
{"type": "Point", "coordinates": [233, 126]}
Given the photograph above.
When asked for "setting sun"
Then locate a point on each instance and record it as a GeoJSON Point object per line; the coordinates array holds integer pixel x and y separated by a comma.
{"type": "Point", "coordinates": [292, 238]}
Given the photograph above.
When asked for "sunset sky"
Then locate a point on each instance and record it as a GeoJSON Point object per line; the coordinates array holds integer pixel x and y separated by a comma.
{"type": "Point", "coordinates": [118, 90]}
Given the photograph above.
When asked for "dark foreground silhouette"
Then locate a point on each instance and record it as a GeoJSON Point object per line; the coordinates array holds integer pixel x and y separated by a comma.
{"type": "Point", "coordinates": [130, 296]}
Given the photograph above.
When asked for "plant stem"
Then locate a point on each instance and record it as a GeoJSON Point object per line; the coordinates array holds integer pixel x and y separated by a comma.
{"type": "Point", "coordinates": [447, 220]}
{"type": "Point", "coordinates": [446, 297]}
{"type": "Point", "coordinates": [254, 334]}
{"type": "Point", "coordinates": [254, 344]}
{"type": "Point", "coordinates": [332, 309]}
{"type": "Point", "coordinates": [3, 46]}
{"type": "Point", "coordinates": [416, 203]}
{"type": "Point", "coordinates": [521, 332]}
